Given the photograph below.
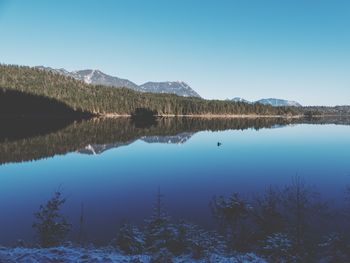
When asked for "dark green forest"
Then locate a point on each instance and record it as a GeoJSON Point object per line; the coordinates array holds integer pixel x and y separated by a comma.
{"type": "Point", "coordinates": [23, 103]}
{"type": "Point", "coordinates": [100, 100]}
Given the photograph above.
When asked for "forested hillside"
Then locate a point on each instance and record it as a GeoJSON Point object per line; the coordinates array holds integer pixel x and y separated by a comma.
{"type": "Point", "coordinates": [83, 97]}
{"type": "Point", "coordinates": [19, 103]}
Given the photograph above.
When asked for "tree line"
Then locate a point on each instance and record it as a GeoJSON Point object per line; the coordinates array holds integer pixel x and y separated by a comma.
{"type": "Point", "coordinates": [97, 99]}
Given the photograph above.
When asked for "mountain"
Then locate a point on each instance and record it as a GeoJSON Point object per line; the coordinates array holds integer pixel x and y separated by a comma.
{"type": "Point", "coordinates": [84, 99]}
{"type": "Point", "coordinates": [97, 77]}
{"type": "Point", "coordinates": [270, 101]}
{"type": "Point", "coordinates": [175, 87]}
{"type": "Point", "coordinates": [278, 102]}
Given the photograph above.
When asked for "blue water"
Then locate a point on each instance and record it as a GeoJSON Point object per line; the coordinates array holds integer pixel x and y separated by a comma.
{"type": "Point", "coordinates": [121, 183]}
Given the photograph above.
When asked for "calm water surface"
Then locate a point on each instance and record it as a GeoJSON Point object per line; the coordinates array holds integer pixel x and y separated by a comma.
{"type": "Point", "coordinates": [118, 179]}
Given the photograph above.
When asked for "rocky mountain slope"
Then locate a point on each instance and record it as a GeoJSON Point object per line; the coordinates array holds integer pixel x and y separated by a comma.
{"type": "Point", "coordinates": [97, 77]}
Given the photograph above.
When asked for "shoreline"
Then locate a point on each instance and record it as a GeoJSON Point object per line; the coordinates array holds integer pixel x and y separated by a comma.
{"type": "Point", "coordinates": [204, 116]}
{"type": "Point", "coordinates": [77, 253]}
{"type": "Point", "coordinates": [209, 116]}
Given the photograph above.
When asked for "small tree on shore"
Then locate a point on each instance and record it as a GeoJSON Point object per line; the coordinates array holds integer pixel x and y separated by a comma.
{"type": "Point", "coordinates": [268, 214]}
{"type": "Point", "coordinates": [130, 239]}
{"type": "Point", "coordinates": [159, 232]}
{"type": "Point", "coordinates": [231, 214]}
{"type": "Point", "coordinates": [51, 227]}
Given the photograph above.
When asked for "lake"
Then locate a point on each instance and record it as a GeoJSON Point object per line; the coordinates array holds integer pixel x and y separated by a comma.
{"type": "Point", "coordinates": [114, 167]}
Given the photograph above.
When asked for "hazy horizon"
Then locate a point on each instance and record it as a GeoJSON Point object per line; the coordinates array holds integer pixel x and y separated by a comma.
{"type": "Point", "coordinates": [292, 50]}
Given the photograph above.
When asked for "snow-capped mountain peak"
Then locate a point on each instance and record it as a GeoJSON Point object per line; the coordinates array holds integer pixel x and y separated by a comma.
{"type": "Point", "coordinates": [97, 77]}
{"type": "Point", "coordinates": [175, 87]}
{"type": "Point", "coordinates": [278, 102]}
{"type": "Point", "coordinates": [88, 78]}
{"type": "Point", "coordinates": [270, 101]}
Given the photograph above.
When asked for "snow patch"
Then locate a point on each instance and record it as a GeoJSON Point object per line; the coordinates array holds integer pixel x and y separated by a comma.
{"type": "Point", "coordinates": [103, 255]}
{"type": "Point", "coordinates": [90, 148]}
{"type": "Point", "coordinates": [88, 78]}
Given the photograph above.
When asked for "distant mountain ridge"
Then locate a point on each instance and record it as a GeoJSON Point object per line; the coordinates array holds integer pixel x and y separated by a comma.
{"type": "Point", "coordinates": [175, 87]}
{"type": "Point", "coordinates": [270, 101]}
{"type": "Point", "coordinates": [97, 77]}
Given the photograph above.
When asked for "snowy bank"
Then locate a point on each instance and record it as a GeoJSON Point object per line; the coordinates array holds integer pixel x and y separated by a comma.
{"type": "Point", "coordinates": [101, 255]}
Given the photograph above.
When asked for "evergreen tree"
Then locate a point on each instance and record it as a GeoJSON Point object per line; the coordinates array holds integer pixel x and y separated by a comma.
{"type": "Point", "coordinates": [304, 213]}
{"type": "Point", "coordinates": [51, 227]}
{"type": "Point", "coordinates": [197, 241]}
{"type": "Point", "coordinates": [268, 213]}
{"type": "Point", "coordinates": [297, 201]}
{"type": "Point", "coordinates": [130, 239]}
{"type": "Point", "coordinates": [96, 99]}
{"type": "Point", "coordinates": [159, 231]}
{"type": "Point", "coordinates": [231, 214]}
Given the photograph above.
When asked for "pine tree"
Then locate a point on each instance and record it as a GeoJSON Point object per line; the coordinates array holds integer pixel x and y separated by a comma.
{"type": "Point", "coordinates": [130, 239]}
{"type": "Point", "coordinates": [231, 214]}
{"type": "Point", "coordinates": [159, 232]}
{"type": "Point", "coordinates": [84, 98]}
{"type": "Point", "coordinates": [51, 227]}
{"type": "Point", "coordinates": [268, 212]}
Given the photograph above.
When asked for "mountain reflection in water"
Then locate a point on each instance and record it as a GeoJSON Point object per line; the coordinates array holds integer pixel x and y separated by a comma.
{"type": "Point", "coordinates": [26, 140]}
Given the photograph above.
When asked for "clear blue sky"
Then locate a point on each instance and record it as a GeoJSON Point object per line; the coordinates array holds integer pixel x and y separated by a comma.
{"type": "Point", "coordinates": [293, 49]}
